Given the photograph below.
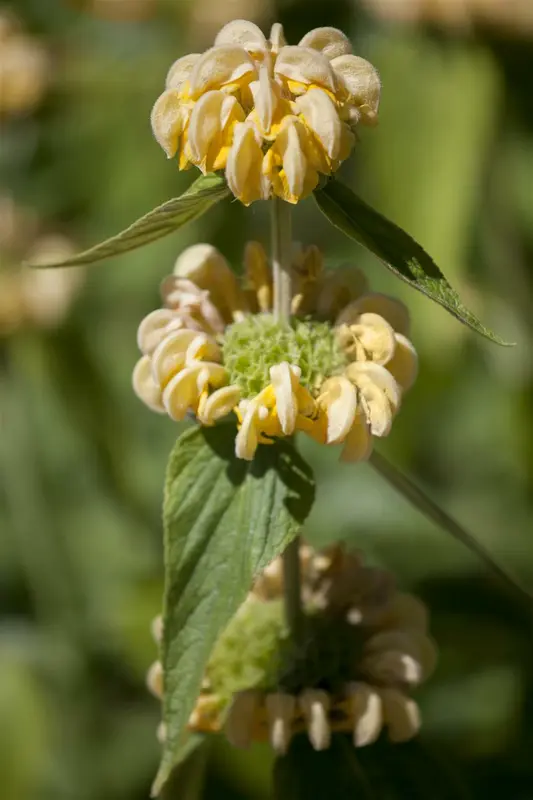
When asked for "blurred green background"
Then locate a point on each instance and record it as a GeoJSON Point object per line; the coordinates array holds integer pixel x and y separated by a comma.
{"type": "Point", "coordinates": [82, 461]}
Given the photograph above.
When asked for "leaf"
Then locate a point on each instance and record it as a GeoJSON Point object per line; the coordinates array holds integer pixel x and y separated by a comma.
{"type": "Point", "coordinates": [172, 215]}
{"type": "Point", "coordinates": [417, 497]}
{"type": "Point", "coordinates": [305, 774]}
{"type": "Point", "coordinates": [396, 249]}
{"type": "Point", "coordinates": [225, 519]}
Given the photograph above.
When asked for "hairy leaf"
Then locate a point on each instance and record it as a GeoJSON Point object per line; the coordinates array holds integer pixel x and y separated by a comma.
{"type": "Point", "coordinates": [395, 248]}
{"type": "Point", "coordinates": [225, 519]}
{"type": "Point", "coordinates": [199, 198]}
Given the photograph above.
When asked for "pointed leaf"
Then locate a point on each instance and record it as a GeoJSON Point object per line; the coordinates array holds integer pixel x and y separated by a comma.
{"type": "Point", "coordinates": [396, 249]}
{"type": "Point", "coordinates": [418, 498]}
{"type": "Point", "coordinates": [204, 193]}
{"type": "Point", "coordinates": [225, 519]}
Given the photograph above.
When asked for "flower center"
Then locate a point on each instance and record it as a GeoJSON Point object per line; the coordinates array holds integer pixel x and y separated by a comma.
{"type": "Point", "coordinates": [251, 347]}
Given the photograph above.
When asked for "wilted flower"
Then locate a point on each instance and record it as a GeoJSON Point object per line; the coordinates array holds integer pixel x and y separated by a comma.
{"type": "Point", "coordinates": [273, 116]}
{"type": "Point", "coordinates": [366, 648]}
{"type": "Point", "coordinates": [24, 68]}
{"type": "Point", "coordinates": [337, 371]}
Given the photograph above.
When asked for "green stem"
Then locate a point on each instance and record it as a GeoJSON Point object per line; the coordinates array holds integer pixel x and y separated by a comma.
{"type": "Point", "coordinates": [281, 268]}
{"type": "Point", "coordinates": [281, 225]}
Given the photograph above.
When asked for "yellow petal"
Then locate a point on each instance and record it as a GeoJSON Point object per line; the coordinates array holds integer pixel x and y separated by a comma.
{"type": "Point", "coordinates": [366, 373]}
{"type": "Point", "coordinates": [154, 328]}
{"type": "Point", "coordinates": [205, 123]}
{"type": "Point", "coordinates": [329, 41]}
{"type": "Point", "coordinates": [242, 33]}
{"type": "Point", "coordinates": [203, 348]}
{"type": "Point", "coordinates": [338, 398]}
{"type": "Point", "coordinates": [404, 364]}
{"type": "Point", "coordinates": [145, 387]}
{"type": "Point", "coordinates": [169, 356]}
{"type": "Point", "coordinates": [277, 37]}
{"type": "Point", "coordinates": [180, 71]}
{"type": "Point", "coordinates": [365, 705]}
{"type": "Point", "coordinates": [358, 442]}
{"type": "Point", "coordinates": [207, 268]}
{"type": "Point", "coordinates": [243, 169]}
{"type": "Point", "coordinates": [391, 309]}
{"type": "Point", "coordinates": [322, 117]}
{"type": "Point", "coordinates": [168, 119]}
{"type": "Point", "coordinates": [306, 66]}
{"type": "Point", "coordinates": [283, 379]}
{"type": "Point", "coordinates": [286, 165]}
{"type": "Point", "coordinates": [362, 83]}
{"type": "Point", "coordinates": [315, 705]}
{"type": "Point", "coordinates": [367, 337]}
{"type": "Point", "coordinates": [192, 304]}
{"type": "Point", "coordinates": [280, 711]}
{"type": "Point", "coordinates": [265, 98]}
{"type": "Point", "coordinates": [218, 404]}
{"type": "Point", "coordinates": [225, 64]}
{"type": "Point", "coordinates": [401, 715]}
{"type": "Point", "coordinates": [258, 274]}
{"type": "Point", "coordinates": [247, 440]}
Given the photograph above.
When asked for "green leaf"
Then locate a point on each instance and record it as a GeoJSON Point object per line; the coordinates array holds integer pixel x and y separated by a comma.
{"type": "Point", "coordinates": [305, 774]}
{"type": "Point", "coordinates": [395, 248]}
{"type": "Point", "coordinates": [172, 215]}
{"type": "Point", "coordinates": [225, 519]}
{"type": "Point", "coordinates": [418, 498]}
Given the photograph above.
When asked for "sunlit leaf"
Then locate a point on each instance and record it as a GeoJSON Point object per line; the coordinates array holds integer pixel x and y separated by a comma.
{"type": "Point", "coordinates": [225, 519]}
{"type": "Point", "coordinates": [396, 249]}
{"type": "Point", "coordinates": [172, 215]}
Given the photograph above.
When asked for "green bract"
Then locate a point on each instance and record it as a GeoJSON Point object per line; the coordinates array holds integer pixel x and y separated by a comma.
{"type": "Point", "coordinates": [252, 347]}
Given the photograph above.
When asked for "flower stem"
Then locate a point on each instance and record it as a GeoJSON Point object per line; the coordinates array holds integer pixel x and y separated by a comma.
{"type": "Point", "coordinates": [281, 225]}
{"type": "Point", "coordinates": [281, 268]}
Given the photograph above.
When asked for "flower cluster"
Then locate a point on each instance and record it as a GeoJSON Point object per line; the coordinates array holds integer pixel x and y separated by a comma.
{"type": "Point", "coordinates": [337, 371]}
{"type": "Point", "coordinates": [24, 68]}
{"type": "Point", "coordinates": [272, 115]}
{"type": "Point", "coordinates": [367, 647]}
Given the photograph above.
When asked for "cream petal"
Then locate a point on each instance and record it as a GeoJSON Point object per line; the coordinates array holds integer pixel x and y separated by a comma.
{"type": "Point", "coordinates": [154, 679]}
{"type": "Point", "coordinates": [154, 328]}
{"type": "Point", "coordinates": [358, 442]}
{"type": "Point", "coordinates": [280, 711]}
{"type": "Point", "coordinates": [305, 65]}
{"type": "Point", "coordinates": [203, 347]}
{"type": "Point", "coordinates": [366, 374]}
{"type": "Point", "coordinates": [392, 310]}
{"type": "Point", "coordinates": [277, 37]}
{"type": "Point", "coordinates": [242, 33]}
{"type": "Point", "coordinates": [247, 440]}
{"type": "Point", "coordinates": [219, 66]}
{"type": "Point", "coordinates": [367, 713]}
{"type": "Point", "coordinates": [339, 288]}
{"type": "Point", "coordinates": [329, 41]}
{"type": "Point", "coordinates": [180, 71]}
{"type": "Point", "coordinates": [315, 705]}
{"type": "Point", "coordinates": [401, 715]}
{"type": "Point", "coordinates": [404, 364]}
{"type": "Point", "coordinates": [406, 612]}
{"type": "Point", "coordinates": [205, 123]}
{"type": "Point", "coordinates": [240, 721]}
{"type": "Point", "coordinates": [169, 356]}
{"type": "Point", "coordinates": [181, 393]}
{"type": "Point", "coordinates": [410, 642]}
{"type": "Point", "coordinates": [265, 100]}
{"type": "Point", "coordinates": [393, 667]}
{"type": "Point", "coordinates": [362, 82]}
{"type": "Point", "coordinates": [168, 120]}
{"type": "Point", "coordinates": [373, 334]}
{"type": "Point", "coordinates": [156, 629]}
{"type": "Point", "coordinates": [294, 160]}
{"type": "Point", "coordinates": [145, 387]}
{"type": "Point", "coordinates": [207, 268]}
{"type": "Point", "coordinates": [321, 115]}
{"type": "Point", "coordinates": [218, 404]}
{"type": "Point", "coordinates": [243, 167]}
{"type": "Point", "coordinates": [339, 398]}
{"type": "Point", "coordinates": [286, 405]}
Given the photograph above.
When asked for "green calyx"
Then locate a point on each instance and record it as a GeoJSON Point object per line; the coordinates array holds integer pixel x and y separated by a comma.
{"type": "Point", "coordinates": [251, 347]}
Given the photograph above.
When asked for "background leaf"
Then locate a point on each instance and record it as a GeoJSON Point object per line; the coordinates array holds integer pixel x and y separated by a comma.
{"type": "Point", "coordinates": [165, 219]}
{"type": "Point", "coordinates": [395, 248]}
{"type": "Point", "coordinates": [225, 520]}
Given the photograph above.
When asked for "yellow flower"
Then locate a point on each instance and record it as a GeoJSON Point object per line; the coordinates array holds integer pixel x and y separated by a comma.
{"type": "Point", "coordinates": [336, 372]}
{"type": "Point", "coordinates": [272, 115]}
{"type": "Point", "coordinates": [383, 632]}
